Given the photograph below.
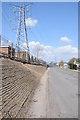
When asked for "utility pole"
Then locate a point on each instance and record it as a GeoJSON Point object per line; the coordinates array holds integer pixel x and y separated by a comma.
{"type": "Point", "coordinates": [11, 49]}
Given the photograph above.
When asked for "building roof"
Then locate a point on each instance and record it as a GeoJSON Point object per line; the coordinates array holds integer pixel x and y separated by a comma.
{"type": "Point", "coordinates": [4, 46]}
{"type": "Point", "coordinates": [7, 47]}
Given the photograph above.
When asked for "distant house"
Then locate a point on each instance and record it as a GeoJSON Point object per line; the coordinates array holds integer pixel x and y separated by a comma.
{"type": "Point", "coordinates": [66, 65]}
{"type": "Point", "coordinates": [57, 64]}
{"type": "Point", "coordinates": [7, 51]}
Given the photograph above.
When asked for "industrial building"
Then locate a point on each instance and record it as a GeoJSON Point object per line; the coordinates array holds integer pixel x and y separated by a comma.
{"type": "Point", "coordinates": [22, 55]}
{"type": "Point", "coordinates": [7, 50]}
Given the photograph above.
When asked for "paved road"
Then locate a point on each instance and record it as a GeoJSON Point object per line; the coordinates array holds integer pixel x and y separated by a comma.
{"type": "Point", "coordinates": [56, 95]}
{"type": "Point", "coordinates": [62, 93]}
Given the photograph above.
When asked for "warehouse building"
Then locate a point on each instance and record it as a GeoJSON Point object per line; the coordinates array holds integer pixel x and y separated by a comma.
{"type": "Point", "coordinates": [22, 55]}
{"type": "Point", "coordinates": [7, 50]}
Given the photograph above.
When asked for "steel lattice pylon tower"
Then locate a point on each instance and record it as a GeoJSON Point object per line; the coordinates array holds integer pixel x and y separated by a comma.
{"type": "Point", "coordinates": [22, 33]}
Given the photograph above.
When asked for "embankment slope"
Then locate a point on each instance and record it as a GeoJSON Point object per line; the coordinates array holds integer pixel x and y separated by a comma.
{"type": "Point", "coordinates": [18, 81]}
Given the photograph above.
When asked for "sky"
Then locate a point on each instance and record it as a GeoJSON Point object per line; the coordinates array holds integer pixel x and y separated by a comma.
{"type": "Point", "coordinates": [52, 29]}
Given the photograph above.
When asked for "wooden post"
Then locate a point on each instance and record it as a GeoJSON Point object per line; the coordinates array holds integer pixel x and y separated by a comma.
{"type": "Point", "coordinates": [11, 49]}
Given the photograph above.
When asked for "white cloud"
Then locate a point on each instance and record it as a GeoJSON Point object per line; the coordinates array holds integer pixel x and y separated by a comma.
{"type": "Point", "coordinates": [31, 22]}
{"type": "Point", "coordinates": [49, 53]}
{"type": "Point", "coordinates": [66, 52]}
{"type": "Point", "coordinates": [65, 39]}
{"type": "Point", "coordinates": [66, 49]}
{"type": "Point", "coordinates": [24, 45]}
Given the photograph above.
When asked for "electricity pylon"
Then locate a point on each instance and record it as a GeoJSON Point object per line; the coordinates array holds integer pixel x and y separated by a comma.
{"type": "Point", "coordinates": [22, 33]}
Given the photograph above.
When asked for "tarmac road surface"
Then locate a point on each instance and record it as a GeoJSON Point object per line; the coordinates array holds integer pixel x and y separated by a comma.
{"type": "Point", "coordinates": [62, 93]}
{"type": "Point", "coordinates": [56, 95]}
